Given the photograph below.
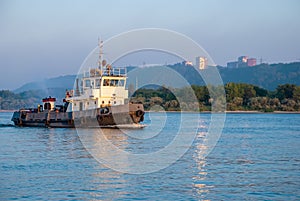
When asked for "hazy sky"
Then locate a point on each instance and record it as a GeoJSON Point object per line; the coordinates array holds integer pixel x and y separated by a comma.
{"type": "Point", "coordinates": [43, 39]}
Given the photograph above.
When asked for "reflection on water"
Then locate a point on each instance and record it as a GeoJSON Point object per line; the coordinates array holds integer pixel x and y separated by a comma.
{"type": "Point", "coordinates": [127, 153]}
{"type": "Point", "coordinates": [257, 157]}
{"type": "Point", "coordinates": [110, 181]}
{"type": "Point", "coordinates": [107, 146]}
{"type": "Point", "coordinates": [200, 144]}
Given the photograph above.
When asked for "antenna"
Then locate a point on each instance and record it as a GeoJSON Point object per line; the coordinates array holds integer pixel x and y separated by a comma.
{"type": "Point", "coordinates": [100, 43]}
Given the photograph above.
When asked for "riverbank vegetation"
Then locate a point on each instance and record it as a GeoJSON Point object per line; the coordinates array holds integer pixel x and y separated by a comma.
{"type": "Point", "coordinates": [239, 96]}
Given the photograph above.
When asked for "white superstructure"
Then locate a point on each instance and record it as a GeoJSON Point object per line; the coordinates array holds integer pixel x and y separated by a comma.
{"type": "Point", "coordinates": [99, 87]}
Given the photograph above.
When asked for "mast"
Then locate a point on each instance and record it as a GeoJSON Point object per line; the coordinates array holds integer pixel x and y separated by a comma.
{"type": "Point", "coordinates": [100, 66]}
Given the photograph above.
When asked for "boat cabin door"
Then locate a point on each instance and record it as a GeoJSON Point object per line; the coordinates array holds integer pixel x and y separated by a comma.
{"type": "Point", "coordinates": [80, 106]}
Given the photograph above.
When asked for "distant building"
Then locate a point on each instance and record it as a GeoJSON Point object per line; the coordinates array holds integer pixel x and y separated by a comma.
{"type": "Point", "coordinates": [242, 61]}
{"type": "Point", "coordinates": [201, 62]}
{"type": "Point", "coordinates": [233, 64]}
{"type": "Point", "coordinates": [251, 62]}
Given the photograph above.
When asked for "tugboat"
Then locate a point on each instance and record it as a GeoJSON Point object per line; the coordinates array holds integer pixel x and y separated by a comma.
{"type": "Point", "coordinates": [100, 100]}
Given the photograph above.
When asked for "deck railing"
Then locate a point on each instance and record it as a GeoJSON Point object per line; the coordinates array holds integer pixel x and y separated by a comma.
{"type": "Point", "coordinates": [95, 72]}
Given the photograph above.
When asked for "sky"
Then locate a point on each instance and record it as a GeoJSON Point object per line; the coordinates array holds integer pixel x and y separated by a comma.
{"type": "Point", "coordinates": [44, 39]}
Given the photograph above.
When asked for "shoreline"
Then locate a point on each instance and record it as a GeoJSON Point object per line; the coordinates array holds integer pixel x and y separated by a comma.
{"type": "Point", "coordinates": [233, 112]}
{"type": "Point", "coordinates": [259, 112]}
{"type": "Point", "coordinates": [207, 112]}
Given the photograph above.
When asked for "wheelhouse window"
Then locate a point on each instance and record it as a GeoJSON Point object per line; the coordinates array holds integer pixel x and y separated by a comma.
{"type": "Point", "coordinates": [113, 82]}
{"type": "Point", "coordinates": [87, 84]}
{"type": "Point", "coordinates": [106, 82]}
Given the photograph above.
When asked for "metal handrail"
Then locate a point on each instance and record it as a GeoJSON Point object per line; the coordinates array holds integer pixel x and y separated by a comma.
{"type": "Point", "coordinates": [121, 72]}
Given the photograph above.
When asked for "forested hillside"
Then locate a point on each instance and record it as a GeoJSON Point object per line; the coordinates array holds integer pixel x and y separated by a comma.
{"type": "Point", "coordinates": [264, 75]}
{"type": "Point", "coordinates": [238, 97]}
{"type": "Point", "coordinates": [263, 87]}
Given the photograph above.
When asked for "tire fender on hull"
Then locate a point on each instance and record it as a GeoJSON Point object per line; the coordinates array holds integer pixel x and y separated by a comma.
{"type": "Point", "coordinates": [139, 113]}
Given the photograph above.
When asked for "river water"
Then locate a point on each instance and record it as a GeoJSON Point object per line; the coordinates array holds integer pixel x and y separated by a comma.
{"type": "Point", "coordinates": [257, 157]}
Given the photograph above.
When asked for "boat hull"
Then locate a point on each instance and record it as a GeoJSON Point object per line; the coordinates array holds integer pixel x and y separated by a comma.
{"type": "Point", "coordinates": [109, 116]}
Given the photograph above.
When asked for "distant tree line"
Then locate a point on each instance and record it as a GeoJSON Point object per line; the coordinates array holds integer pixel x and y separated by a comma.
{"type": "Point", "coordinates": [239, 96]}
{"type": "Point", "coordinates": [249, 97]}
{"type": "Point", "coordinates": [11, 101]}
{"type": "Point", "coordinates": [26, 99]}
